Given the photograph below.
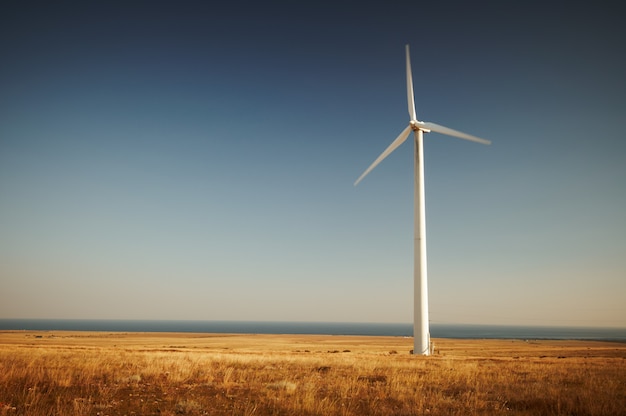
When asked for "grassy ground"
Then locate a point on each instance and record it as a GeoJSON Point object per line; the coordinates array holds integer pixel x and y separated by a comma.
{"type": "Point", "coordinates": [90, 373]}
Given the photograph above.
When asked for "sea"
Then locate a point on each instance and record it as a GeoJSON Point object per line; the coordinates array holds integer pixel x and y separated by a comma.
{"type": "Point", "coordinates": [461, 331]}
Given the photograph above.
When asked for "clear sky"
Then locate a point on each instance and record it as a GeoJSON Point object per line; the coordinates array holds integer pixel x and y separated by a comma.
{"type": "Point", "coordinates": [191, 160]}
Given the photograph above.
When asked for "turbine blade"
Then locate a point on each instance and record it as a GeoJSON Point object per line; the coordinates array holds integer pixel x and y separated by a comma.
{"type": "Point", "coordinates": [409, 86]}
{"type": "Point", "coordinates": [448, 131]}
{"type": "Point", "coordinates": [397, 142]}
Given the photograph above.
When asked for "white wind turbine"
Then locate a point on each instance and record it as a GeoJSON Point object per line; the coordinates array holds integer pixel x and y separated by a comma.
{"type": "Point", "coordinates": [421, 333]}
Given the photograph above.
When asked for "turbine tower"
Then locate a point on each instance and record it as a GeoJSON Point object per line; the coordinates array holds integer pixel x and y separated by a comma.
{"type": "Point", "coordinates": [421, 333]}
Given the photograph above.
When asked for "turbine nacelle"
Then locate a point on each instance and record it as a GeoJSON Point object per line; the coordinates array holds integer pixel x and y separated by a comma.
{"type": "Point", "coordinates": [418, 125]}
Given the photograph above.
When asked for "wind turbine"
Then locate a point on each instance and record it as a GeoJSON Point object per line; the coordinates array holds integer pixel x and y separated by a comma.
{"type": "Point", "coordinates": [421, 333]}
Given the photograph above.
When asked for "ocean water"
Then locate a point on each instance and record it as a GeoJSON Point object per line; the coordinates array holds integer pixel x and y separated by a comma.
{"type": "Point", "coordinates": [324, 328]}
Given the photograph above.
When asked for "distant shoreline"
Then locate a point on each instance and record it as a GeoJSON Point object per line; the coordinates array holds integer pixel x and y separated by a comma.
{"type": "Point", "coordinates": [450, 331]}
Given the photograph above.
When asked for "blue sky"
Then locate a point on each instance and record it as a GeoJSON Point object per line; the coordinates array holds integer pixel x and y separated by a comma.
{"type": "Point", "coordinates": [183, 160]}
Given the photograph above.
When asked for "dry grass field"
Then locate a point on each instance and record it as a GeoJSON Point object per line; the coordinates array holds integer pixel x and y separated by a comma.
{"type": "Point", "coordinates": [95, 373]}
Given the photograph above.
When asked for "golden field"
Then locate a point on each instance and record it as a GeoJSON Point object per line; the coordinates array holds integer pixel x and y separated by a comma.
{"type": "Point", "coordinates": [97, 373]}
